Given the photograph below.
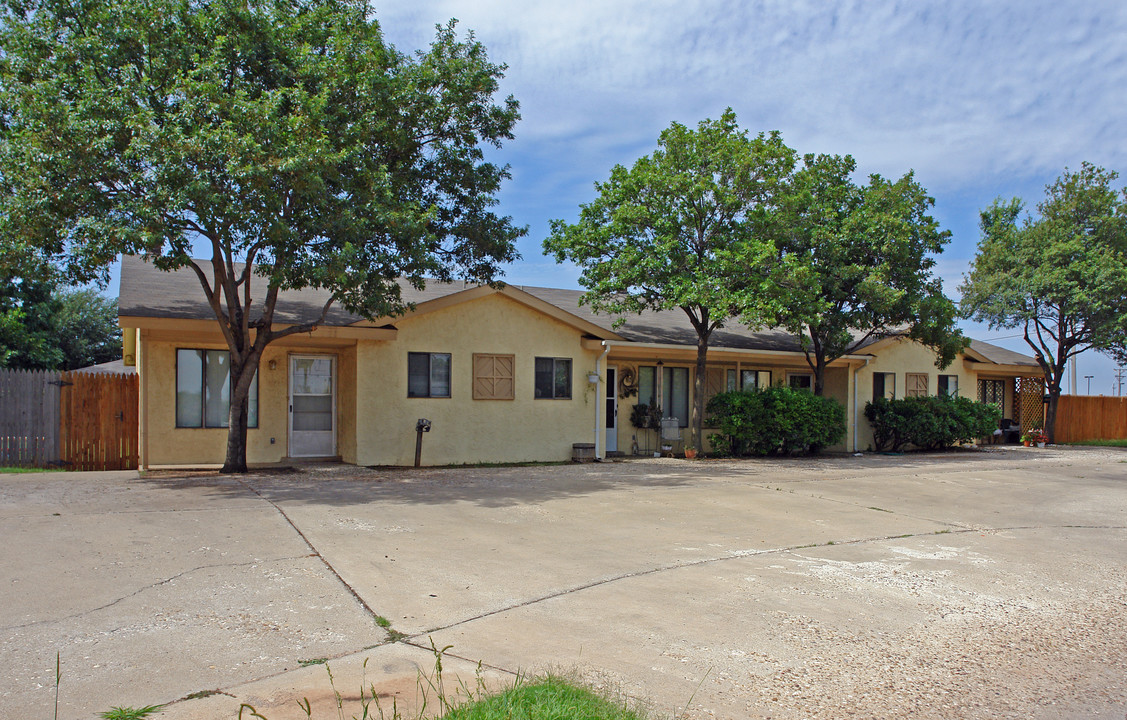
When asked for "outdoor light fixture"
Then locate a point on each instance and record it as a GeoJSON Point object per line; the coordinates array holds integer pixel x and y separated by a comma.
{"type": "Point", "coordinates": [273, 364]}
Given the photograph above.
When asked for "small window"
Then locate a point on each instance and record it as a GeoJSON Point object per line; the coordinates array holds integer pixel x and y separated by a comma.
{"type": "Point", "coordinates": [203, 390]}
{"type": "Point", "coordinates": [801, 381]}
{"type": "Point", "coordinates": [884, 386]}
{"type": "Point", "coordinates": [730, 381]}
{"type": "Point", "coordinates": [553, 378]}
{"type": "Point", "coordinates": [675, 394]}
{"type": "Point", "coordinates": [755, 379]}
{"type": "Point", "coordinates": [428, 375]}
{"type": "Point", "coordinates": [915, 384]}
{"type": "Point", "coordinates": [493, 377]}
{"type": "Point", "coordinates": [948, 385]}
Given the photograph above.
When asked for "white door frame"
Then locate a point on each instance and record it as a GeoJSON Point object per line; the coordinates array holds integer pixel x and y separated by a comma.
{"type": "Point", "coordinates": [333, 374]}
{"type": "Point", "coordinates": [610, 422]}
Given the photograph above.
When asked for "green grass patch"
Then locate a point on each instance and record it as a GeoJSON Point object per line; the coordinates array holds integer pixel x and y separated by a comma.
{"type": "Point", "coordinates": [18, 470]}
{"type": "Point", "coordinates": [1100, 443]}
{"type": "Point", "coordinates": [313, 661]}
{"type": "Point", "coordinates": [550, 698]}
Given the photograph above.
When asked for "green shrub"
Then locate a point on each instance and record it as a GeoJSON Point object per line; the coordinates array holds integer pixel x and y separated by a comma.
{"type": "Point", "coordinates": [774, 421]}
{"type": "Point", "coordinates": [929, 422]}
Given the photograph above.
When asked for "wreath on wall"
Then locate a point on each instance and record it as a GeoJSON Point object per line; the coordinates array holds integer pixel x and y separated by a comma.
{"type": "Point", "coordinates": [627, 382]}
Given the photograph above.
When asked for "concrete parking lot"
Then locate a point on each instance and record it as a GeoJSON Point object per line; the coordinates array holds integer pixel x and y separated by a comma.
{"type": "Point", "coordinates": [971, 585]}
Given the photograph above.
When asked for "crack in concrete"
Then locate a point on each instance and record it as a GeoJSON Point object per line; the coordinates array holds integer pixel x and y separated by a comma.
{"type": "Point", "coordinates": [151, 586]}
{"type": "Point", "coordinates": [743, 554]}
{"type": "Point", "coordinates": [315, 552]}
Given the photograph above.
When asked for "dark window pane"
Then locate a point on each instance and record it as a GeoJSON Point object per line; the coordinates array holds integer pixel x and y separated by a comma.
{"type": "Point", "coordinates": [646, 387]}
{"type": "Point", "coordinates": [563, 379]}
{"type": "Point", "coordinates": [675, 394]}
{"type": "Point", "coordinates": [544, 373]}
{"type": "Point", "coordinates": [418, 375]}
{"type": "Point", "coordinates": [749, 379]}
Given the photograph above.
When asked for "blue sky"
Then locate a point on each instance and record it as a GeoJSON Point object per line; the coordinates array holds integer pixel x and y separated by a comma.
{"type": "Point", "coordinates": [980, 99]}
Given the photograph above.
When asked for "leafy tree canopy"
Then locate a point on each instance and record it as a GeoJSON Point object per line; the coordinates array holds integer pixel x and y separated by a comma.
{"type": "Point", "coordinates": [687, 227]}
{"type": "Point", "coordinates": [284, 134]}
{"type": "Point", "coordinates": [867, 253]}
{"type": "Point", "coordinates": [48, 328]}
{"type": "Point", "coordinates": [1059, 275]}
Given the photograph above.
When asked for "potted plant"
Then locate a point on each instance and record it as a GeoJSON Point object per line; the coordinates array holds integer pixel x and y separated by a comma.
{"type": "Point", "coordinates": [690, 452]}
{"type": "Point", "coordinates": [646, 417]}
{"type": "Point", "coordinates": [1026, 439]}
{"type": "Point", "coordinates": [1038, 436]}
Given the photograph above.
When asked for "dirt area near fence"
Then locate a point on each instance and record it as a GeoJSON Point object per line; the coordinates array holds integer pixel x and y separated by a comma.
{"type": "Point", "coordinates": [984, 584]}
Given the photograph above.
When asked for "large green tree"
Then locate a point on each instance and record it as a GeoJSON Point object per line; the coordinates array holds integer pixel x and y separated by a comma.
{"type": "Point", "coordinates": [1060, 275]}
{"type": "Point", "coordinates": [687, 227]}
{"type": "Point", "coordinates": [867, 257]}
{"type": "Point", "coordinates": [284, 137]}
{"type": "Point", "coordinates": [55, 328]}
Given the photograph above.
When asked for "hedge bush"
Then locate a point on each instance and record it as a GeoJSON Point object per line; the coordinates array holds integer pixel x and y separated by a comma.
{"type": "Point", "coordinates": [930, 422]}
{"type": "Point", "coordinates": [774, 421]}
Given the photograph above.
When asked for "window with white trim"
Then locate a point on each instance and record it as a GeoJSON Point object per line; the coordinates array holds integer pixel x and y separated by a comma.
{"type": "Point", "coordinates": [203, 390]}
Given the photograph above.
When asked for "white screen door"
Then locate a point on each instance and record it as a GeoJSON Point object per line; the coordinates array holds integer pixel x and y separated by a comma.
{"type": "Point", "coordinates": [313, 406]}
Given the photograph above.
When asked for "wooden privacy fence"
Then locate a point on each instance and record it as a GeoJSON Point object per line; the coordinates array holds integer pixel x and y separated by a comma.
{"type": "Point", "coordinates": [76, 420]}
{"type": "Point", "coordinates": [1084, 417]}
{"type": "Point", "coordinates": [29, 418]}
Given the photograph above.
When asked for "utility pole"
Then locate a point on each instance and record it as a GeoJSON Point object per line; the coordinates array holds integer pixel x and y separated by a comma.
{"type": "Point", "coordinates": [1119, 373]}
{"type": "Point", "coordinates": [1089, 379]}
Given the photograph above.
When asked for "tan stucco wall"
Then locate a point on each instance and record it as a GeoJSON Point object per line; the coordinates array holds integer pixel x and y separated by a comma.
{"type": "Point", "coordinates": [465, 430]}
{"type": "Point", "coordinates": [902, 357]}
{"type": "Point", "coordinates": [169, 445]}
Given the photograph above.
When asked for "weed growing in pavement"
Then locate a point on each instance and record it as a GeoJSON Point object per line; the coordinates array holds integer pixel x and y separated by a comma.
{"type": "Point", "coordinates": [312, 661]}
{"type": "Point", "coordinates": [129, 713]}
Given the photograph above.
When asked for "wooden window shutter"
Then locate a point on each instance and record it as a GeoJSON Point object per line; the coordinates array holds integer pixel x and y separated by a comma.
{"type": "Point", "coordinates": [493, 377]}
{"type": "Point", "coordinates": [915, 384]}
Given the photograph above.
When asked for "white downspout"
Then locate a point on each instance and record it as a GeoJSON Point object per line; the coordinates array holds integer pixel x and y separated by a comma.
{"type": "Point", "coordinates": [600, 434]}
{"type": "Point", "coordinates": [856, 417]}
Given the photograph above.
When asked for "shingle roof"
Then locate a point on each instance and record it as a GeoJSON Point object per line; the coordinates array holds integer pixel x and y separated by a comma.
{"type": "Point", "coordinates": [1000, 355]}
{"type": "Point", "coordinates": [149, 292]}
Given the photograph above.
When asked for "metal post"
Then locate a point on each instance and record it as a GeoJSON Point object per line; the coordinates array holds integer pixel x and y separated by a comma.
{"type": "Point", "coordinates": [421, 426]}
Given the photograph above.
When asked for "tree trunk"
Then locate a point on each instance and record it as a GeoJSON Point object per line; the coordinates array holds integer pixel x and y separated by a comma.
{"type": "Point", "coordinates": [238, 415]}
{"type": "Point", "coordinates": [819, 376]}
{"type": "Point", "coordinates": [1052, 388]}
{"type": "Point", "coordinates": [696, 416]}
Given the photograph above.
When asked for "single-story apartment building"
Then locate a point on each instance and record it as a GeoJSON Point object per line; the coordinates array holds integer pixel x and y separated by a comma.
{"type": "Point", "coordinates": [506, 374]}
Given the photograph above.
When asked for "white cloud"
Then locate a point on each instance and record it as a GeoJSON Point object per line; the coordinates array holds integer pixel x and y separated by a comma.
{"type": "Point", "coordinates": [957, 90]}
